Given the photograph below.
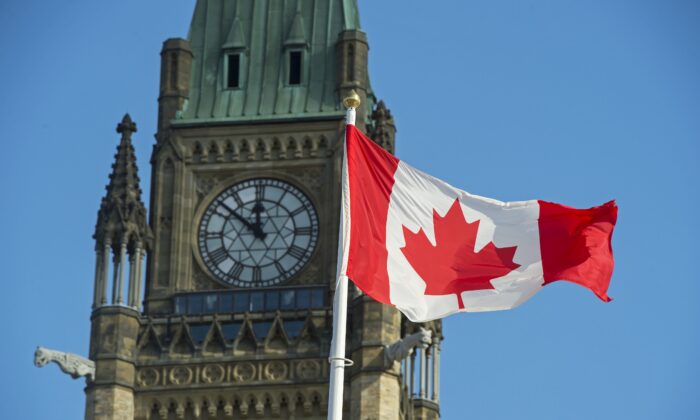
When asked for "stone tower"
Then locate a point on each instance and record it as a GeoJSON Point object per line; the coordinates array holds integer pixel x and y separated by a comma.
{"type": "Point", "coordinates": [233, 316]}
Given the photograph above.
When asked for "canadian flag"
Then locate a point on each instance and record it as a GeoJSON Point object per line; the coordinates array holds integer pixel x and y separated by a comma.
{"type": "Point", "coordinates": [415, 242]}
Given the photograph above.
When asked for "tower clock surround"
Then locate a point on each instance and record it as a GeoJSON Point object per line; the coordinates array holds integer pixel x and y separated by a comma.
{"type": "Point", "coordinates": [307, 253]}
{"type": "Point", "coordinates": [258, 232]}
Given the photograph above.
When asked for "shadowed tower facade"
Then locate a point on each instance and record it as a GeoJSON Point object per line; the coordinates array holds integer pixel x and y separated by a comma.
{"type": "Point", "coordinates": [217, 303]}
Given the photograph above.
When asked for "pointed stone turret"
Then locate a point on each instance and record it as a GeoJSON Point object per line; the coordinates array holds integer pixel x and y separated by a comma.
{"type": "Point", "coordinates": [122, 226]}
{"type": "Point", "coordinates": [122, 232]}
{"type": "Point", "coordinates": [122, 215]}
{"type": "Point", "coordinates": [383, 128]}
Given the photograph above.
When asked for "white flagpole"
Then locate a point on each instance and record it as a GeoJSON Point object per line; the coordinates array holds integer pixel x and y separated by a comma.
{"type": "Point", "coordinates": [340, 304]}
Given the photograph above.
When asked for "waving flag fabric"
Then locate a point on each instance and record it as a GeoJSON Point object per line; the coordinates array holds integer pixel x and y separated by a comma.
{"type": "Point", "coordinates": [415, 242]}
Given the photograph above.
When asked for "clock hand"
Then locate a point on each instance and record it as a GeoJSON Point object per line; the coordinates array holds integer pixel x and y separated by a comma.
{"type": "Point", "coordinates": [258, 208]}
{"type": "Point", "coordinates": [241, 218]}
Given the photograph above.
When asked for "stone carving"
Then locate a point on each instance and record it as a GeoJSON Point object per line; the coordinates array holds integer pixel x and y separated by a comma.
{"type": "Point", "coordinates": [244, 372]}
{"type": "Point", "coordinates": [213, 374]}
{"type": "Point", "coordinates": [205, 183]}
{"type": "Point", "coordinates": [382, 128]}
{"type": "Point", "coordinates": [147, 377]}
{"type": "Point", "coordinates": [257, 402]}
{"type": "Point", "coordinates": [71, 364]}
{"type": "Point", "coordinates": [276, 371]}
{"type": "Point", "coordinates": [181, 375]}
{"type": "Point", "coordinates": [308, 369]}
{"type": "Point", "coordinates": [404, 347]}
{"type": "Point", "coordinates": [242, 149]}
{"type": "Point", "coordinates": [312, 178]}
{"type": "Point", "coordinates": [310, 274]}
{"type": "Point", "coordinates": [201, 280]}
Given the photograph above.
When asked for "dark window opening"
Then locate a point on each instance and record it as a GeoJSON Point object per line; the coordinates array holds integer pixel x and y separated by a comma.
{"type": "Point", "coordinates": [351, 63]}
{"type": "Point", "coordinates": [295, 67]}
{"type": "Point", "coordinates": [257, 301]}
{"type": "Point", "coordinates": [199, 332]}
{"type": "Point", "coordinates": [234, 71]}
{"type": "Point", "coordinates": [272, 301]}
{"type": "Point", "coordinates": [293, 328]}
{"type": "Point", "coordinates": [261, 329]}
{"type": "Point", "coordinates": [231, 330]}
{"type": "Point", "coordinates": [173, 71]}
{"type": "Point", "coordinates": [240, 301]}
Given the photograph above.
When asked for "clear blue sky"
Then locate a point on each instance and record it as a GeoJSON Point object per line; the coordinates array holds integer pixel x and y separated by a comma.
{"type": "Point", "coordinates": [574, 102]}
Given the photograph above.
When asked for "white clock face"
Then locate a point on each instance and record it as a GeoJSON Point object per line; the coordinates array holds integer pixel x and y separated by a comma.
{"type": "Point", "coordinates": [259, 232]}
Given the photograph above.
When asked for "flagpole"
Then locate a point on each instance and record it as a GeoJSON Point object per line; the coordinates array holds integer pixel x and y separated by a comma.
{"type": "Point", "coordinates": [337, 358]}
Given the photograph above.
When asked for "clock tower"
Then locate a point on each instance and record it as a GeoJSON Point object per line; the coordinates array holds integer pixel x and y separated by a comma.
{"type": "Point", "coordinates": [217, 304]}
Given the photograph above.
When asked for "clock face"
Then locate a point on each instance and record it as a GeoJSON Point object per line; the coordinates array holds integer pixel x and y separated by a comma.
{"type": "Point", "coordinates": [259, 232]}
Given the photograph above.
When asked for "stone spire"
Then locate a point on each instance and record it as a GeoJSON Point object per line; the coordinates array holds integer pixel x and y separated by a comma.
{"type": "Point", "coordinates": [122, 215]}
{"type": "Point", "coordinates": [383, 128]}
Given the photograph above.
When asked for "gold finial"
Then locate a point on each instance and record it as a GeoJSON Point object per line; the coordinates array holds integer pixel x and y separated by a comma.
{"type": "Point", "coordinates": [352, 101]}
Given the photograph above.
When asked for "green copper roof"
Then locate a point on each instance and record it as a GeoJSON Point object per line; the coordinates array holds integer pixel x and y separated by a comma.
{"type": "Point", "coordinates": [263, 32]}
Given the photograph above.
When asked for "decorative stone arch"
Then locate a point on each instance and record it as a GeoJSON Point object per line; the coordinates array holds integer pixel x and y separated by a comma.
{"type": "Point", "coordinates": [319, 401]}
{"type": "Point", "coordinates": [149, 344]}
{"type": "Point", "coordinates": [263, 149]}
{"type": "Point", "coordinates": [198, 152]}
{"type": "Point", "coordinates": [235, 404]}
{"type": "Point", "coordinates": [157, 410]}
{"type": "Point", "coordinates": [277, 340]}
{"type": "Point", "coordinates": [278, 149]}
{"type": "Point", "coordinates": [260, 404]}
{"type": "Point", "coordinates": [182, 343]}
{"type": "Point", "coordinates": [272, 404]}
{"type": "Point", "coordinates": [246, 150]}
{"type": "Point", "coordinates": [284, 403]}
{"type": "Point", "coordinates": [308, 147]}
{"type": "Point", "coordinates": [214, 152]}
{"type": "Point", "coordinates": [323, 146]}
{"type": "Point", "coordinates": [308, 341]}
{"type": "Point", "coordinates": [300, 405]}
{"type": "Point", "coordinates": [293, 148]}
{"type": "Point", "coordinates": [245, 341]}
{"type": "Point", "coordinates": [230, 151]}
{"type": "Point", "coordinates": [209, 405]}
{"type": "Point", "coordinates": [247, 403]}
{"type": "Point", "coordinates": [215, 341]}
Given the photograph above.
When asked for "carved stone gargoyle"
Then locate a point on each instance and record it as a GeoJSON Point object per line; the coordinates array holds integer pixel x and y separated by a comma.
{"type": "Point", "coordinates": [71, 364]}
{"type": "Point", "coordinates": [404, 347]}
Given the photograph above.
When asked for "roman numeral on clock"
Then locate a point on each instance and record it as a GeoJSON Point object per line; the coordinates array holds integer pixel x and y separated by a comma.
{"type": "Point", "coordinates": [297, 252]}
{"type": "Point", "coordinates": [213, 235]}
{"type": "Point", "coordinates": [303, 230]}
{"type": "Point", "coordinates": [259, 192]}
{"type": "Point", "coordinates": [237, 198]}
{"type": "Point", "coordinates": [257, 274]}
{"type": "Point", "coordinates": [297, 211]}
{"type": "Point", "coordinates": [218, 256]}
{"type": "Point", "coordinates": [280, 270]}
{"type": "Point", "coordinates": [236, 270]}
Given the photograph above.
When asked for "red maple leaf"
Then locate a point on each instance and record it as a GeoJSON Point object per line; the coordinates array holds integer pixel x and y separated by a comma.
{"type": "Point", "coordinates": [451, 266]}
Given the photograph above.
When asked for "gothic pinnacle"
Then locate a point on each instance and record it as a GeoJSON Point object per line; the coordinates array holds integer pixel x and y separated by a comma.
{"type": "Point", "coordinates": [127, 126]}
{"type": "Point", "coordinates": [122, 213]}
